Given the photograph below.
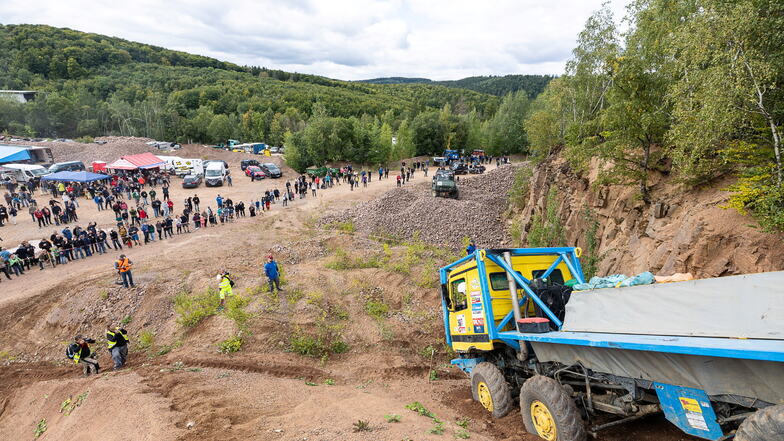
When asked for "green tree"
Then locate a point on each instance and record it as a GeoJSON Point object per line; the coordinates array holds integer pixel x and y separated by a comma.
{"type": "Point", "coordinates": [506, 132]}
{"type": "Point", "coordinates": [428, 134]}
{"type": "Point", "coordinates": [220, 128]}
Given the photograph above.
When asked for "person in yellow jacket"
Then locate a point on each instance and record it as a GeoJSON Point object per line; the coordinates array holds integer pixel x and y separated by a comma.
{"type": "Point", "coordinates": [226, 286]}
{"type": "Point", "coordinates": [117, 343]}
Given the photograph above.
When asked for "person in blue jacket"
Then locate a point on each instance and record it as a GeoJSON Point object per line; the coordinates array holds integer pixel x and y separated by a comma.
{"type": "Point", "coordinates": [272, 271]}
{"type": "Point", "coordinates": [470, 248]}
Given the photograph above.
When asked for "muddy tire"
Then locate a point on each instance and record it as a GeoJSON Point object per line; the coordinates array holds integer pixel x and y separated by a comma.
{"type": "Point", "coordinates": [549, 412]}
{"type": "Point", "coordinates": [489, 388]}
{"type": "Point", "coordinates": [763, 425]}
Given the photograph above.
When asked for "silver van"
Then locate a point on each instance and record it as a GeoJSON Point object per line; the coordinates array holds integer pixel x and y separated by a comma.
{"type": "Point", "coordinates": [67, 166]}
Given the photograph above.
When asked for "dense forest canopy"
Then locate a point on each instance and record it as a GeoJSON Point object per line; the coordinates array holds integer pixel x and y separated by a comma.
{"type": "Point", "coordinates": [93, 85]}
{"type": "Point", "coordinates": [691, 88]}
{"type": "Point", "coordinates": [493, 85]}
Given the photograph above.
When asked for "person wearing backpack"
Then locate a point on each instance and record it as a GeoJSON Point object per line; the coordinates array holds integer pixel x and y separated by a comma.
{"type": "Point", "coordinates": [117, 341]}
{"type": "Point", "coordinates": [80, 352]}
{"type": "Point", "coordinates": [226, 286]}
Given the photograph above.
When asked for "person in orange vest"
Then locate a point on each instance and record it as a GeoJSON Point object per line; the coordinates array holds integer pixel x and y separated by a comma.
{"type": "Point", "coordinates": [123, 265]}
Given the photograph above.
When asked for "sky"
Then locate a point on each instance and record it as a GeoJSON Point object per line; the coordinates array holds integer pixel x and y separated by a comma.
{"type": "Point", "coordinates": [343, 39]}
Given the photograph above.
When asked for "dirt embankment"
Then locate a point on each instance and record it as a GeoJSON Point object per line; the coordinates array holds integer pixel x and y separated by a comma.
{"type": "Point", "coordinates": [682, 230]}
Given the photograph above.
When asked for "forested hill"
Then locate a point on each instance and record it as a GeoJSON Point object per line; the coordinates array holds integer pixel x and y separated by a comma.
{"type": "Point", "coordinates": [493, 85]}
{"type": "Point", "coordinates": [93, 85]}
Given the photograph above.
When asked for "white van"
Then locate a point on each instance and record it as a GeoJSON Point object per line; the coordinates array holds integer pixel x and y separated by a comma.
{"type": "Point", "coordinates": [25, 172]}
{"type": "Point", "coordinates": [184, 167]}
{"type": "Point", "coordinates": [215, 174]}
{"type": "Point", "coordinates": [169, 160]}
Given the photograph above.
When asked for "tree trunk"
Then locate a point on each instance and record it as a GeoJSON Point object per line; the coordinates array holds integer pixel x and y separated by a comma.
{"type": "Point", "coordinates": [646, 197]}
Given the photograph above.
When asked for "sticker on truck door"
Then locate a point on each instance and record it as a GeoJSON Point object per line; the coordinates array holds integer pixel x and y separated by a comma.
{"type": "Point", "coordinates": [461, 324]}
{"type": "Point", "coordinates": [693, 411]}
{"type": "Point", "coordinates": [479, 325]}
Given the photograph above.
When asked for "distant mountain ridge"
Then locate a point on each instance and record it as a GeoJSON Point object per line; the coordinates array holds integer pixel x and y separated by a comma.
{"type": "Point", "coordinates": [493, 85]}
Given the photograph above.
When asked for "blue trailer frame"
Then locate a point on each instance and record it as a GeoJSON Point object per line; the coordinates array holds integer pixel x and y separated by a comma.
{"type": "Point", "coordinates": [675, 411]}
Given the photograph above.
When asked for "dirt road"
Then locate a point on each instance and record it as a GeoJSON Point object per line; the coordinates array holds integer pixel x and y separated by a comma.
{"type": "Point", "coordinates": [182, 388]}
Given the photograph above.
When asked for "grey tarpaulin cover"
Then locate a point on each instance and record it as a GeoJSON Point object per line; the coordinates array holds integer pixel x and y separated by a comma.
{"type": "Point", "coordinates": [763, 380]}
{"type": "Point", "coordinates": [747, 306]}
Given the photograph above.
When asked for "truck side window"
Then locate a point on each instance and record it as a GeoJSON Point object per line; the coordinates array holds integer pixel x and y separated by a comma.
{"type": "Point", "coordinates": [458, 291]}
{"type": "Point", "coordinates": [555, 276]}
{"type": "Point", "coordinates": [499, 282]}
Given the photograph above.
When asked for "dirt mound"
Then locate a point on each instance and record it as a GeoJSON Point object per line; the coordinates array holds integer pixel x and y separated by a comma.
{"type": "Point", "coordinates": [404, 211]}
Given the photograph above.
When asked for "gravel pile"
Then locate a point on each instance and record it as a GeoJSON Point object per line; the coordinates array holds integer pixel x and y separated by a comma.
{"type": "Point", "coordinates": [403, 211]}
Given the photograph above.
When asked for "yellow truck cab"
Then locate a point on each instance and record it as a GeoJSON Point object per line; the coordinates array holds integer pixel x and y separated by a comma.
{"type": "Point", "coordinates": [477, 287]}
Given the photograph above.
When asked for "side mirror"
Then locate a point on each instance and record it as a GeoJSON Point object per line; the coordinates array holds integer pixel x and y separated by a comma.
{"type": "Point", "coordinates": [445, 295]}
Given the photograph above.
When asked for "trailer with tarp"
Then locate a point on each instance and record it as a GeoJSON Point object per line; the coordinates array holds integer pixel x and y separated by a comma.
{"type": "Point", "coordinates": [708, 354]}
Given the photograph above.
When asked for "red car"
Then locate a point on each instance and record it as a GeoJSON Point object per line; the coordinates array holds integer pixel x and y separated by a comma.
{"type": "Point", "coordinates": [256, 172]}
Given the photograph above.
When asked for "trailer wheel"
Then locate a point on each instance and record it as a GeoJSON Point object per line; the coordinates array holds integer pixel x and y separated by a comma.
{"type": "Point", "coordinates": [490, 388]}
{"type": "Point", "coordinates": [549, 412]}
{"type": "Point", "coordinates": [763, 425]}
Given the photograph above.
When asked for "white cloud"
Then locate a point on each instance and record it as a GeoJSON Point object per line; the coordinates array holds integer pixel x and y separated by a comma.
{"type": "Point", "coordinates": [346, 39]}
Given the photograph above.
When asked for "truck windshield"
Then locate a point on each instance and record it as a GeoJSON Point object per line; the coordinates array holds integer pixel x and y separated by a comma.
{"type": "Point", "coordinates": [37, 172]}
{"type": "Point", "coordinates": [212, 173]}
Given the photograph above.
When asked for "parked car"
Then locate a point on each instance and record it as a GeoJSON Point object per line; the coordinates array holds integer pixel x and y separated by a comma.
{"type": "Point", "coordinates": [191, 181]}
{"type": "Point", "coordinates": [67, 166]}
{"type": "Point", "coordinates": [274, 149]}
{"type": "Point", "coordinates": [272, 170]}
{"type": "Point", "coordinates": [255, 171]}
{"type": "Point", "coordinates": [459, 168]}
{"type": "Point", "coordinates": [245, 163]}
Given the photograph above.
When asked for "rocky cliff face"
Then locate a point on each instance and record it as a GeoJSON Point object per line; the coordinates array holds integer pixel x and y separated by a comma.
{"type": "Point", "coordinates": [682, 230]}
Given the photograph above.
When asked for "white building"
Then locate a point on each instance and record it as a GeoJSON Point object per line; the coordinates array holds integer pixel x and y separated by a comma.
{"type": "Point", "coordinates": [19, 96]}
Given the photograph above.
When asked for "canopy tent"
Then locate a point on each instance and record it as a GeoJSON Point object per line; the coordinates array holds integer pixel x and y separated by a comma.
{"type": "Point", "coordinates": [145, 160]}
{"type": "Point", "coordinates": [13, 154]}
{"type": "Point", "coordinates": [121, 164]}
{"type": "Point", "coordinates": [71, 176]}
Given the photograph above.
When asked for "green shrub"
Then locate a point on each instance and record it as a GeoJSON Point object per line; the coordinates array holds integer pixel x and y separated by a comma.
{"type": "Point", "coordinates": [235, 310]}
{"type": "Point", "coordinates": [230, 345]}
{"type": "Point", "coordinates": [191, 309]}
{"type": "Point", "coordinates": [307, 345]}
{"type": "Point", "coordinates": [342, 260]}
{"type": "Point", "coordinates": [145, 340]}
{"type": "Point", "coordinates": [376, 309]}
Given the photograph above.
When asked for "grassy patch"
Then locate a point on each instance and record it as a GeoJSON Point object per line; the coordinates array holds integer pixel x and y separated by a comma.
{"type": "Point", "coordinates": [230, 345]}
{"type": "Point", "coordinates": [145, 340]}
{"type": "Point", "coordinates": [40, 428]}
{"type": "Point", "coordinates": [127, 319]}
{"type": "Point", "coordinates": [68, 406]}
{"type": "Point", "coordinates": [393, 418]}
{"type": "Point", "coordinates": [342, 260]}
{"type": "Point", "coordinates": [376, 309]}
{"type": "Point", "coordinates": [322, 343]}
{"type": "Point", "coordinates": [191, 309]}
{"type": "Point", "coordinates": [344, 227]}
{"type": "Point", "coordinates": [235, 310]}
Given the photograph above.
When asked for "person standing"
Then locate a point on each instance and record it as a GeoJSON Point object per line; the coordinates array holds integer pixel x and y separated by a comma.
{"type": "Point", "coordinates": [124, 265]}
{"type": "Point", "coordinates": [226, 286]}
{"type": "Point", "coordinates": [272, 270]}
{"type": "Point", "coordinates": [117, 341]}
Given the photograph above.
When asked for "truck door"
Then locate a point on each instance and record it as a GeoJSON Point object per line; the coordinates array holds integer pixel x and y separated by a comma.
{"type": "Point", "coordinates": [467, 319]}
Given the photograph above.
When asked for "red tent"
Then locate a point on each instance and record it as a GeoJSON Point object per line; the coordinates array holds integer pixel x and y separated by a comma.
{"type": "Point", "coordinates": [145, 160]}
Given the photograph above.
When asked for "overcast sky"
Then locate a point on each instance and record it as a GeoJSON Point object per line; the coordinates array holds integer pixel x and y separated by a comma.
{"type": "Point", "coordinates": [345, 39]}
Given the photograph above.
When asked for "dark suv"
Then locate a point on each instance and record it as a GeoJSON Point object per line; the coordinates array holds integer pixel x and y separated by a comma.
{"type": "Point", "coordinates": [248, 162]}
{"type": "Point", "coordinates": [272, 170]}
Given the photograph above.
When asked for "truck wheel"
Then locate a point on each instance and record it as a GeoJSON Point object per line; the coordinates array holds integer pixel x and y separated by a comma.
{"type": "Point", "coordinates": [549, 412]}
{"type": "Point", "coordinates": [490, 388]}
{"type": "Point", "coordinates": [763, 425]}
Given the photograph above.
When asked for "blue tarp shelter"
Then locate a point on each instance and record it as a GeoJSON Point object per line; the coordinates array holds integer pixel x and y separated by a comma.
{"type": "Point", "coordinates": [71, 176]}
{"type": "Point", "coordinates": [10, 153]}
